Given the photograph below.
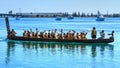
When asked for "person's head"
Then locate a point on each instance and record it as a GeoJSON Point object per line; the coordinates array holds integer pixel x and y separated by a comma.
{"type": "Point", "coordinates": [48, 30]}
{"type": "Point", "coordinates": [93, 27]}
{"type": "Point", "coordinates": [61, 30]}
{"type": "Point", "coordinates": [102, 30]}
{"type": "Point", "coordinates": [24, 30]}
{"type": "Point", "coordinates": [113, 31]}
{"type": "Point", "coordinates": [27, 30]}
{"type": "Point", "coordinates": [55, 30]}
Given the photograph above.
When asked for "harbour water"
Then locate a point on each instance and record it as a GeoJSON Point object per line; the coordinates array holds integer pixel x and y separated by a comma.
{"type": "Point", "coordinates": [21, 54]}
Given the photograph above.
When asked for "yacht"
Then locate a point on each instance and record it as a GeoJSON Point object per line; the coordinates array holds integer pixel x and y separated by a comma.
{"type": "Point", "coordinates": [58, 18]}
{"type": "Point", "coordinates": [70, 17]}
{"type": "Point", "coordinates": [100, 17]}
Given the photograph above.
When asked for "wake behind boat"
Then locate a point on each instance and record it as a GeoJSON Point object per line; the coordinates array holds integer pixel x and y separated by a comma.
{"type": "Point", "coordinates": [22, 38]}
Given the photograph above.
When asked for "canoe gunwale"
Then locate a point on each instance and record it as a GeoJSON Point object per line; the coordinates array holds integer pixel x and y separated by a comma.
{"type": "Point", "coordinates": [20, 38]}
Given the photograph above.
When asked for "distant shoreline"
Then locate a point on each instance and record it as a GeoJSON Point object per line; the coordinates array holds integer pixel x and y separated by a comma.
{"type": "Point", "coordinates": [53, 15]}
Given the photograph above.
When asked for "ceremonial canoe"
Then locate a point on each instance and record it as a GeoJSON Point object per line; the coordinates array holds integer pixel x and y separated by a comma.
{"type": "Point", "coordinates": [19, 38]}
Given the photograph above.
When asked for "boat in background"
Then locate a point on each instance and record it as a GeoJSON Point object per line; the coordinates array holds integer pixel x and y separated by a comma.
{"type": "Point", "coordinates": [17, 18]}
{"type": "Point", "coordinates": [100, 17]}
{"type": "Point", "coordinates": [70, 17]}
{"type": "Point", "coordinates": [58, 18]}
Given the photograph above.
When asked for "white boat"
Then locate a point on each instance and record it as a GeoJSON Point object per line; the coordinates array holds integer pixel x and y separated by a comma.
{"type": "Point", "coordinates": [100, 17]}
{"type": "Point", "coordinates": [58, 18]}
{"type": "Point", "coordinates": [70, 17]}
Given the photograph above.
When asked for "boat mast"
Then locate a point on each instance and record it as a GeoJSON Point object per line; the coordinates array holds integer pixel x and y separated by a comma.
{"type": "Point", "coordinates": [7, 26]}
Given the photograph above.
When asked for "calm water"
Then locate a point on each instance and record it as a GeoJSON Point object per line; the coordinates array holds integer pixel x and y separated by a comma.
{"type": "Point", "coordinates": [21, 54]}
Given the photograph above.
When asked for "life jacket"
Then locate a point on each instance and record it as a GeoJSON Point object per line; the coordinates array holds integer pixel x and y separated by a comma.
{"type": "Point", "coordinates": [94, 32]}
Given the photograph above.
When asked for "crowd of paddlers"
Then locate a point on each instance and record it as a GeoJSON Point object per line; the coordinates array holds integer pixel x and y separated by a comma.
{"type": "Point", "coordinates": [53, 34]}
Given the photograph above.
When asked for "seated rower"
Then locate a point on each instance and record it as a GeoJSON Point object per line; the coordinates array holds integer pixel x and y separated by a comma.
{"type": "Point", "coordinates": [64, 36]}
{"type": "Point", "coordinates": [36, 35]}
{"type": "Point", "coordinates": [31, 33]}
{"type": "Point", "coordinates": [73, 35]}
{"type": "Point", "coordinates": [45, 36]}
{"type": "Point", "coordinates": [49, 35]}
{"type": "Point", "coordinates": [41, 35]}
{"type": "Point", "coordinates": [112, 34]}
{"type": "Point", "coordinates": [67, 35]}
{"type": "Point", "coordinates": [24, 34]}
{"type": "Point", "coordinates": [77, 36]}
{"type": "Point", "coordinates": [12, 33]}
{"type": "Point", "coordinates": [59, 36]}
{"type": "Point", "coordinates": [102, 34]}
{"type": "Point", "coordinates": [28, 34]}
{"type": "Point", "coordinates": [83, 35]}
{"type": "Point", "coordinates": [54, 34]}
{"type": "Point", "coordinates": [70, 35]}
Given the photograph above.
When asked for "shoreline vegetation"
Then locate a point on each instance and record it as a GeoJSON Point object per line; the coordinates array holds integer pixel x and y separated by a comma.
{"type": "Point", "coordinates": [53, 15]}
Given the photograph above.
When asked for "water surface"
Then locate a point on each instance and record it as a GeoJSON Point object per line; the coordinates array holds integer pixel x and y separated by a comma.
{"type": "Point", "coordinates": [15, 54]}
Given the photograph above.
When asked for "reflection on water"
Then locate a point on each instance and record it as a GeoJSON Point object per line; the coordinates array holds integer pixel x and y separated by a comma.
{"type": "Point", "coordinates": [10, 49]}
{"type": "Point", "coordinates": [59, 48]}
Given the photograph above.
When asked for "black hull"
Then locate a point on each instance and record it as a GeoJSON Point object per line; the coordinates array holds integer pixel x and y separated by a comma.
{"type": "Point", "coordinates": [62, 40]}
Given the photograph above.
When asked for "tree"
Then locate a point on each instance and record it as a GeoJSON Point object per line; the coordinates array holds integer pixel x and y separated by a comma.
{"type": "Point", "coordinates": [78, 14]}
{"type": "Point", "coordinates": [10, 12]}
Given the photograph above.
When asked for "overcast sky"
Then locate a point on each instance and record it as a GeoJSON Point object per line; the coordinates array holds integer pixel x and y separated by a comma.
{"type": "Point", "coordinates": [88, 6]}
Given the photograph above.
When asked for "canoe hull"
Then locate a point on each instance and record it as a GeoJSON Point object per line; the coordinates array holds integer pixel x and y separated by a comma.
{"type": "Point", "coordinates": [100, 19]}
{"type": "Point", "coordinates": [62, 40]}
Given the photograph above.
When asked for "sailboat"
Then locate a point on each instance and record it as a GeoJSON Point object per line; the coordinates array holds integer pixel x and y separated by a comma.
{"type": "Point", "coordinates": [100, 17]}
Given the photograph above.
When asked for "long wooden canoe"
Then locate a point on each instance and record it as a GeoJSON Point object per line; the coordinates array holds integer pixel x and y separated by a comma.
{"type": "Point", "coordinates": [20, 38]}
{"type": "Point", "coordinates": [109, 40]}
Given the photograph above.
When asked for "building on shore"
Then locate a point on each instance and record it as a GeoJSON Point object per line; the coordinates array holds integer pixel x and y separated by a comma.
{"type": "Point", "coordinates": [40, 14]}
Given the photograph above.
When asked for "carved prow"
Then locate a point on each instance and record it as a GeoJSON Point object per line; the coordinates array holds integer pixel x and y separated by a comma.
{"type": "Point", "coordinates": [7, 26]}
